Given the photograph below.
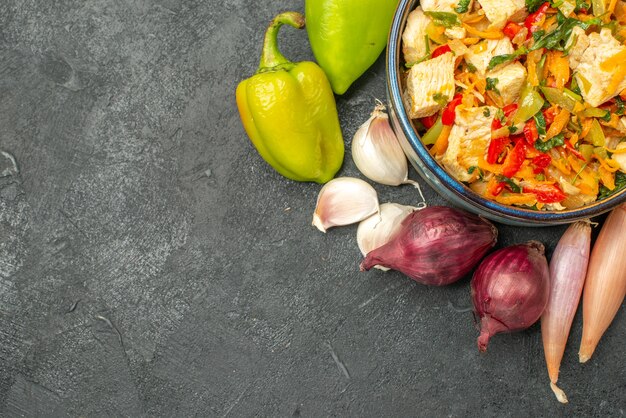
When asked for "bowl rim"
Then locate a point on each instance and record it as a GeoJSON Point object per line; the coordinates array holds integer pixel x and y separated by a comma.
{"type": "Point", "coordinates": [453, 185]}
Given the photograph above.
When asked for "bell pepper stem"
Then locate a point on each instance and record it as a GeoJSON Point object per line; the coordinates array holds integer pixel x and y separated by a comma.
{"type": "Point", "coordinates": [271, 57]}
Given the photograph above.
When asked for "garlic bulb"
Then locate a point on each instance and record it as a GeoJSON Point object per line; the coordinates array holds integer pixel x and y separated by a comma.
{"type": "Point", "coordinates": [344, 201]}
{"type": "Point", "coordinates": [377, 152]}
{"type": "Point", "coordinates": [376, 231]}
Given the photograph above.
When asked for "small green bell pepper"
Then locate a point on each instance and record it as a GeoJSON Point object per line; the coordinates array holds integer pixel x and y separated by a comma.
{"type": "Point", "coordinates": [347, 36]}
{"type": "Point", "coordinates": [288, 110]}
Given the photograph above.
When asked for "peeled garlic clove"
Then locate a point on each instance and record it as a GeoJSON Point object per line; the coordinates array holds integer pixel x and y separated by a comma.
{"type": "Point", "coordinates": [377, 152]}
{"type": "Point", "coordinates": [376, 231]}
{"type": "Point", "coordinates": [344, 201]}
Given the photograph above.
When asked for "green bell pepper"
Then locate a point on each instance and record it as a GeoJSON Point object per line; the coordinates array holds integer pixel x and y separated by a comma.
{"type": "Point", "coordinates": [530, 103]}
{"type": "Point", "coordinates": [288, 110]}
{"type": "Point", "coordinates": [347, 36]}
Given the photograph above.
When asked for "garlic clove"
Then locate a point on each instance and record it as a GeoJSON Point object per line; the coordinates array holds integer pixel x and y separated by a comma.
{"type": "Point", "coordinates": [376, 231]}
{"type": "Point", "coordinates": [377, 152]}
{"type": "Point", "coordinates": [344, 201]}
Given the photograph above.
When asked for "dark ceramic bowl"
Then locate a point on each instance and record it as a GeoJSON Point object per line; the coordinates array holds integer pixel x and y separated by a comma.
{"type": "Point", "coordinates": [438, 178]}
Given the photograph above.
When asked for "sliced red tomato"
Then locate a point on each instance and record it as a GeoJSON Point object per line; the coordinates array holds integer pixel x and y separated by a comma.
{"type": "Point", "coordinates": [574, 151]}
{"type": "Point", "coordinates": [546, 193]}
{"type": "Point", "coordinates": [497, 188]}
{"type": "Point", "coordinates": [540, 162]}
{"type": "Point", "coordinates": [530, 132]}
{"type": "Point", "coordinates": [429, 121]}
{"type": "Point", "coordinates": [508, 112]}
{"type": "Point", "coordinates": [534, 21]}
{"type": "Point", "coordinates": [511, 29]}
{"type": "Point", "coordinates": [510, 109]}
{"type": "Point", "coordinates": [514, 159]}
{"type": "Point", "coordinates": [496, 147]}
{"type": "Point", "coordinates": [549, 114]}
{"type": "Point", "coordinates": [449, 113]}
{"type": "Point", "coordinates": [440, 51]}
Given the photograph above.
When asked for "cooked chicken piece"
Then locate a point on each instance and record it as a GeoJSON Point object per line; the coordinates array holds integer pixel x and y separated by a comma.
{"type": "Point", "coordinates": [456, 32]}
{"type": "Point", "coordinates": [500, 11]}
{"type": "Point", "coordinates": [511, 79]}
{"type": "Point", "coordinates": [469, 140]}
{"type": "Point", "coordinates": [620, 158]}
{"type": "Point", "coordinates": [414, 37]}
{"type": "Point", "coordinates": [480, 54]}
{"type": "Point", "coordinates": [429, 84]}
{"type": "Point", "coordinates": [580, 42]}
{"type": "Point", "coordinates": [439, 5]}
{"type": "Point", "coordinates": [595, 83]}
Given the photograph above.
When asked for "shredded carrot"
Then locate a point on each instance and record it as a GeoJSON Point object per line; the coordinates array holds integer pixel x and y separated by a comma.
{"type": "Point", "coordinates": [559, 165]}
{"type": "Point", "coordinates": [607, 178]}
{"type": "Point", "coordinates": [490, 34]}
{"type": "Point", "coordinates": [485, 166]}
{"type": "Point", "coordinates": [611, 62]}
{"type": "Point", "coordinates": [616, 151]}
{"type": "Point", "coordinates": [441, 144]}
{"type": "Point", "coordinates": [586, 127]}
{"type": "Point", "coordinates": [558, 66]}
{"type": "Point", "coordinates": [611, 7]}
{"type": "Point", "coordinates": [560, 121]}
{"type": "Point", "coordinates": [573, 139]}
{"type": "Point", "coordinates": [517, 199]}
{"type": "Point", "coordinates": [587, 189]}
{"type": "Point", "coordinates": [531, 64]}
{"type": "Point", "coordinates": [473, 18]}
{"type": "Point", "coordinates": [470, 41]}
{"type": "Point", "coordinates": [609, 165]}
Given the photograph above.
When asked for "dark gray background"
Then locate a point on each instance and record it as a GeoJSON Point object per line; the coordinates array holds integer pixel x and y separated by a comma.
{"type": "Point", "coordinates": [152, 264]}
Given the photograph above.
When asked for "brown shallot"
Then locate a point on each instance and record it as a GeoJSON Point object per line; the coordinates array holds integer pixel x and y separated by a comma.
{"type": "Point", "coordinates": [568, 268]}
{"type": "Point", "coordinates": [605, 285]}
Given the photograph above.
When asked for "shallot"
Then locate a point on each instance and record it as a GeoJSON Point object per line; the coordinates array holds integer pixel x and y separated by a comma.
{"type": "Point", "coordinates": [605, 285]}
{"type": "Point", "coordinates": [568, 268]}
{"type": "Point", "coordinates": [510, 290]}
{"type": "Point", "coordinates": [435, 246]}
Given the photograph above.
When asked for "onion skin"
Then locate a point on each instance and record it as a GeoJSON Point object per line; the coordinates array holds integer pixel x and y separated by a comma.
{"type": "Point", "coordinates": [568, 269]}
{"type": "Point", "coordinates": [436, 246]}
{"type": "Point", "coordinates": [510, 290]}
{"type": "Point", "coordinates": [605, 286]}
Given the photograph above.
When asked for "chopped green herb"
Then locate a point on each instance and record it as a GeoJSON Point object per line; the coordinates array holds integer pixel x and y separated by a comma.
{"type": "Point", "coordinates": [474, 168]}
{"type": "Point", "coordinates": [491, 84]}
{"type": "Point", "coordinates": [574, 86]}
{"type": "Point", "coordinates": [441, 99]}
{"type": "Point", "coordinates": [578, 174]}
{"type": "Point", "coordinates": [568, 49]}
{"type": "Point", "coordinates": [545, 146]}
{"type": "Point", "coordinates": [486, 112]}
{"type": "Point", "coordinates": [502, 59]}
{"type": "Point", "coordinates": [540, 121]}
{"type": "Point", "coordinates": [540, 177]}
{"type": "Point", "coordinates": [620, 183]}
{"type": "Point", "coordinates": [538, 34]}
{"type": "Point", "coordinates": [512, 129]}
{"type": "Point", "coordinates": [463, 6]}
{"type": "Point", "coordinates": [500, 116]}
{"type": "Point", "coordinates": [533, 5]}
{"type": "Point", "coordinates": [515, 188]}
{"type": "Point", "coordinates": [620, 106]}
{"type": "Point", "coordinates": [445, 19]}
{"type": "Point", "coordinates": [582, 5]}
{"type": "Point", "coordinates": [471, 67]}
{"type": "Point", "coordinates": [606, 117]}
{"type": "Point", "coordinates": [557, 39]}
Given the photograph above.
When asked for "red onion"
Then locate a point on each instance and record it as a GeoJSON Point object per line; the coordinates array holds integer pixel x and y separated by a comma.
{"type": "Point", "coordinates": [435, 246]}
{"type": "Point", "coordinates": [510, 290]}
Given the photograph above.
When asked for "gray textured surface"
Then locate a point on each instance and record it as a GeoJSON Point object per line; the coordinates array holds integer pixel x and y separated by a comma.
{"type": "Point", "coordinates": [152, 264]}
